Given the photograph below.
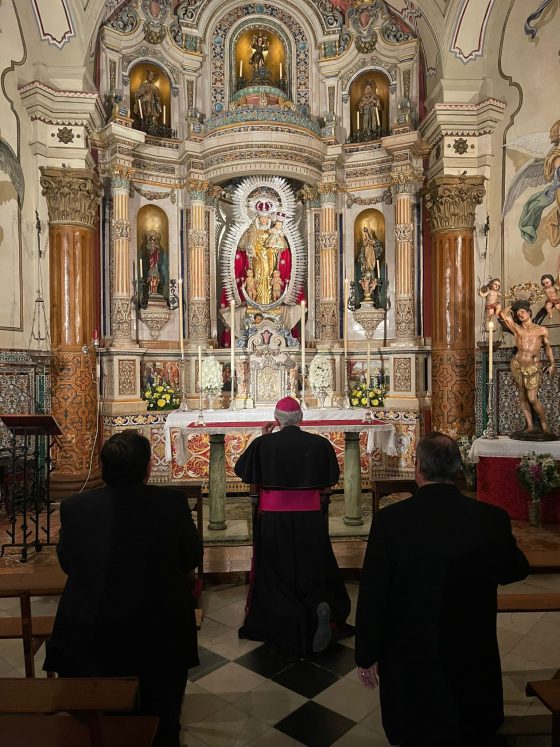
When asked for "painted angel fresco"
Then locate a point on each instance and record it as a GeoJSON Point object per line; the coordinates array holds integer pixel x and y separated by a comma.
{"type": "Point", "coordinates": [542, 170]}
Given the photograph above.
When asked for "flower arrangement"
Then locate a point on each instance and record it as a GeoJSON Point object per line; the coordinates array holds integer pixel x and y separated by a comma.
{"type": "Point", "coordinates": [361, 396]}
{"type": "Point", "coordinates": [161, 397]}
{"type": "Point", "coordinates": [538, 474]}
{"type": "Point", "coordinates": [211, 376]}
{"type": "Point", "coordinates": [320, 373]}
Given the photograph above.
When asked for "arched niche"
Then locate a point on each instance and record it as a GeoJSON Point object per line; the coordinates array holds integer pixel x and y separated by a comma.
{"type": "Point", "coordinates": [151, 83]}
{"type": "Point", "coordinates": [368, 85]}
{"type": "Point", "coordinates": [369, 251]}
{"type": "Point", "coordinates": [254, 43]}
{"type": "Point", "coordinates": [152, 231]}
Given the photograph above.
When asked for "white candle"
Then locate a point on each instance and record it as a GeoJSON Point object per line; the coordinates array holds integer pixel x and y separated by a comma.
{"type": "Point", "coordinates": [199, 368]}
{"type": "Point", "coordinates": [140, 108]}
{"type": "Point", "coordinates": [164, 114]}
{"type": "Point", "coordinates": [141, 270]}
{"type": "Point", "coordinates": [378, 272]}
{"type": "Point", "coordinates": [181, 343]}
{"type": "Point", "coordinates": [367, 365]}
{"type": "Point", "coordinates": [490, 348]}
{"type": "Point", "coordinates": [241, 69]}
{"type": "Point", "coordinates": [280, 71]}
{"type": "Point", "coordinates": [302, 340]}
{"type": "Point", "coordinates": [358, 120]}
{"type": "Point", "coordinates": [345, 325]}
{"type": "Point", "coordinates": [232, 344]}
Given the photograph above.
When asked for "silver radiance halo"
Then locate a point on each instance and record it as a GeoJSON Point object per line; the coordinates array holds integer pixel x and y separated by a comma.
{"type": "Point", "coordinates": [273, 197]}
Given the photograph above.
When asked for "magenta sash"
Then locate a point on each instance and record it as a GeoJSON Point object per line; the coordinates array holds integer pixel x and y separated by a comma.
{"type": "Point", "coordinates": [290, 500]}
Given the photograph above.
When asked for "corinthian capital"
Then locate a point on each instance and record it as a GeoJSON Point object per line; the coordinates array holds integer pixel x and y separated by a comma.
{"type": "Point", "coordinates": [197, 189]}
{"type": "Point", "coordinates": [327, 192]}
{"type": "Point", "coordinates": [73, 195]}
{"type": "Point", "coordinates": [405, 181]}
{"type": "Point", "coordinates": [452, 200]}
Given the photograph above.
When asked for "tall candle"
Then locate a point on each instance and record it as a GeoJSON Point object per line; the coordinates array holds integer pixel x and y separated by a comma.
{"type": "Point", "coordinates": [345, 325]}
{"type": "Point", "coordinates": [302, 340]}
{"type": "Point", "coordinates": [490, 348]}
{"type": "Point", "coordinates": [367, 365]}
{"type": "Point", "coordinates": [357, 120]}
{"type": "Point", "coordinates": [232, 344]}
{"type": "Point", "coordinates": [241, 69]}
{"type": "Point", "coordinates": [164, 114]}
{"type": "Point", "coordinates": [200, 368]}
{"type": "Point", "coordinates": [141, 270]}
{"type": "Point", "coordinates": [140, 108]}
{"type": "Point", "coordinates": [280, 71]}
{"type": "Point", "coordinates": [378, 271]}
{"type": "Point", "coordinates": [181, 343]}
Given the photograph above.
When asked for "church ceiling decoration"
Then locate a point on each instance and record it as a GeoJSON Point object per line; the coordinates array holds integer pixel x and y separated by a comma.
{"type": "Point", "coordinates": [54, 21]}
{"type": "Point", "coordinates": [470, 30]}
{"type": "Point", "coordinates": [533, 17]}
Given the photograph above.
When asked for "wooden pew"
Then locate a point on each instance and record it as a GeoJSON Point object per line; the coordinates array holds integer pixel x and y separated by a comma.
{"type": "Point", "coordinates": [18, 695]}
{"type": "Point", "coordinates": [548, 692]}
{"type": "Point", "coordinates": [540, 601]}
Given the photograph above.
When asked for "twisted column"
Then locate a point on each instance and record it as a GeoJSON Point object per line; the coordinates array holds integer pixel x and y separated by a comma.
{"type": "Point", "coordinates": [73, 196]}
{"type": "Point", "coordinates": [404, 257]}
{"type": "Point", "coordinates": [121, 318]}
{"type": "Point", "coordinates": [451, 202]}
{"type": "Point", "coordinates": [328, 239]}
{"type": "Point", "coordinates": [198, 303]}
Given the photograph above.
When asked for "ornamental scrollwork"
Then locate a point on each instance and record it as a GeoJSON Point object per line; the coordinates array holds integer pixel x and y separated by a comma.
{"type": "Point", "coordinates": [124, 20]}
{"type": "Point", "coordinates": [197, 237]}
{"type": "Point", "coordinates": [404, 231]}
{"type": "Point", "coordinates": [152, 195]}
{"type": "Point", "coordinates": [327, 240]}
{"type": "Point", "coordinates": [386, 198]}
{"type": "Point", "coordinates": [121, 228]}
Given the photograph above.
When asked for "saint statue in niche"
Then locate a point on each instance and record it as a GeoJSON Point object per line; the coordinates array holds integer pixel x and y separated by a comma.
{"type": "Point", "coordinates": [147, 99]}
{"type": "Point", "coordinates": [371, 251]}
{"type": "Point", "coordinates": [370, 108]}
{"type": "Point", "coordinates": [259, 45]}
{"type": "Point", "coordinates": [154, 265]}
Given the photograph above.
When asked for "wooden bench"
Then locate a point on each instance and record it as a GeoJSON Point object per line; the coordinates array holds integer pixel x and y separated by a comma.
{"type": "Point", "coordinates": [544, 561]}
{"type": "Point", "coordinates": [18, 695]}
{"type": "Point", "coordinates": [540, 601]}
{"type": "Point", "coordinates": [41, 630]}
{"type": "Point", "coordinates": [548, 692]}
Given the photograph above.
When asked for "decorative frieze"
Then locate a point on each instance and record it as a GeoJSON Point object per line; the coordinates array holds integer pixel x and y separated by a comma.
{"type": "Point", "coordinates": [197, 238]}
{"type": "Point", "coordinates": [121, 229]}
{"type": "Point", "coordinates": [73, 195]}
{"type": "Point", "coordinates": [404, 231]}
{"type": "Point", "coordinates": [121, 318]}
{"type": "Point", "coordinates": [404, 317]}
{"type": "Point", "coordinates": [199, 321]}
{"type": "Point", "coordinates": [328, 320]}
{"type": "Point", "coordinates": [127, 377]}
{"type": "Point", "coordinates": [402, 374]}
{"type": "Point", "coordinates": [328, 240]}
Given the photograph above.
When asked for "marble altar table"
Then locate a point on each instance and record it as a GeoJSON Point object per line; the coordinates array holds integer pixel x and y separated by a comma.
{"type": "Point", "coordinates": [246, 424]}
{"type": "Point", "coordinates": [497, 480]}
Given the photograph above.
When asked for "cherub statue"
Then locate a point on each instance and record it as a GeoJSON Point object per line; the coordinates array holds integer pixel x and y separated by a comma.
{"type": "Point", "coordinates": [249, 285]}
{"type": "Point", "coordinates": [369, 284]}
{"type": "Point", "coordinates": [276, 285]}
{"type": "Point", "coordinates": [491, 293]}
{"type": "Point", "coordinates": [551, 292]}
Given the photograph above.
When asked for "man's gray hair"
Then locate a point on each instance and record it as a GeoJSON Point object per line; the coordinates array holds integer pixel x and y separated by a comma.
{"type": "Point", "coordinates": [439, 457]}
{"type": "Point", "coordinates": [288, 418]}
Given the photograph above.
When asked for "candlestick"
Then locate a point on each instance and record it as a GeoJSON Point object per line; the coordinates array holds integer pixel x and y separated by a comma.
{"type": "Point", "coordinates": [141, 270]}
{"type": "Point", "coordinates": [378, 271]}
{"type": "Point", "coordinates": [490, 349]}
{"type": "Point", "coordinates": [164, 114]}
{"type": "Point", "coordinates": [303, 352]}
{"type": "Point", "coordinates": [345, 325]}
{"type": "Point", "coordinates": [232, 346]}
{"type": "Point", "coordinates": [367, 365]}
{"type": "Point", "coordinates": [280, 71]}
{"type": "Point", "coordinates": [140, 108]}
{"type": "Point", "coordinates": [181, 343]}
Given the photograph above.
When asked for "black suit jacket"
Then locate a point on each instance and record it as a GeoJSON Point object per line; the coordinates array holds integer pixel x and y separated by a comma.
{"type": "Point", "coordinates": [287, 459]}
{"type": "Point", "coordinates": [427, 613]}
{"type": "Point", "coordinates": [127, 606]}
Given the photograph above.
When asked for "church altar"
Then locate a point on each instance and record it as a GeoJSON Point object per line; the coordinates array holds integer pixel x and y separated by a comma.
{"type": "Point", "coordinates": [208, 452]}
{"type": "Point", "coordinates": [497, 482]}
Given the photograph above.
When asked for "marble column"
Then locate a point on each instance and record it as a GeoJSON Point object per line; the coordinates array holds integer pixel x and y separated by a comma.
{"type": "Point", "coordinates": [217, 482]}
{"type": "Point", "coordinates": [73, 196]}
{"type": "Point", "coordinates": [198, 303]}
{"type": "Point", "coordinates": [121, 307]}
{"type": "Point", "coordinates": [328, 243]}
{"type": "Point", "coordinates": [451, 202]}
{"type": "Point", "coordinates": [404, 258]}
{"type": "Point", "coordinates": [352, 480]}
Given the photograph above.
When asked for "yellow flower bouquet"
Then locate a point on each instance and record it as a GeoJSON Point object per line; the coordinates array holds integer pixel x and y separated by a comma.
{"type": "Point", "coordinates": [161, 397]}
{"type": "Point", "coordinates": [361, 396]}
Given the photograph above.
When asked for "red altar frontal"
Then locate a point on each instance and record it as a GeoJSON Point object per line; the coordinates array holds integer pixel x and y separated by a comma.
{"type": "Point", "coordinates": [497, 480]}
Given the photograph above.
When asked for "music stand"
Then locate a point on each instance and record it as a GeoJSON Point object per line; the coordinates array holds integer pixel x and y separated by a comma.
{"type": "Point", "coordinates": [28, 486]}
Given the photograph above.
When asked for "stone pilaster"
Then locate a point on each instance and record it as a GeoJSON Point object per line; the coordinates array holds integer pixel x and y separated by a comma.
{"type": "Point", "coordinates": [404, 257]}
{"type": "Point", "coordinates": [121, 307]}
{"type": "Point", "coordinates": [73, 196]}
{"type": "Point", "coordinates": [198, 310]}
{"type": "Point", "coordinates": [451, 202]}
{"type": "Point", "coordinates": [328, 245]}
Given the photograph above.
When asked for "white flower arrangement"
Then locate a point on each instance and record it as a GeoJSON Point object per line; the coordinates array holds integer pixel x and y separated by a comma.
{"type": "Point", "coordinates": [320, 373]}
{"type": "Point", "coordinates": [211, 375]}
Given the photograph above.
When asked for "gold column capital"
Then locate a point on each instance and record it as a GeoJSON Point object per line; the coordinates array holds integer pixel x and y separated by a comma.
{"type": "Point", "coordinates": [452, 201]}
{"type": "Point", "coordinates": [405, 181]}
{"type": "Point", "coordinates": [328, 192]}
{"type": "Point", "coordinates": [197, 189]}
{"type": "Point", "coordinates": [73, 195]}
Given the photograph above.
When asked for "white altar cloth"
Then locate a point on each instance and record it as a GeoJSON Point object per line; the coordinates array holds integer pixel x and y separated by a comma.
{"type": "Point", "coordinates": [380, 433]}
{"type": "Point", "coordinates": [504, 446]}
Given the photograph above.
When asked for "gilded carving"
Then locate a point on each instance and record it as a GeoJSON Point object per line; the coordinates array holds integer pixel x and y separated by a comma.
{"type": "Point", "coordinates": [386, 198]}
{"type": "Point", "coordinates": [452, 200]}
{"type": "Point", "coordinates": [327, 240]}
{"type": "Point", "coordinates": [328, 320]}
{"type": "Point", "coordinates": [120, 228]}
{"type": "Point", "coordinates": [155, 320]}
{"type": "Point", "coordinates": [327, 192]}
{"type": "Point", "coordinates": [120, 318]}
{"type": "Point", "coordinates": [73, 195]}
{"type": "Point", "coordinates": [404, 231]}
{"type": "Point", "coordinates": [197, 189]}
{"type": "Point", "coordinates": [127, 377]}
{"type": "Point", "coordinates": [199, 320]}
{"type": "Point", "coordinates": [402, 368]}
{"type": "Point", "coordinates": [453, 392]}
{"type": "Point", "coordinates": [404, 316]}
{"type": "Point", "coordinates": [197, 238]}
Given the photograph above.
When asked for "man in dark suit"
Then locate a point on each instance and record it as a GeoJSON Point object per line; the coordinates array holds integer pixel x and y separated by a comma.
{"type": "Point", "coordinates": [127, 608]}
{"type": "Point", "coordinates": [297, 591]}
{"type": "Point", "coordinates": [426, 614]}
